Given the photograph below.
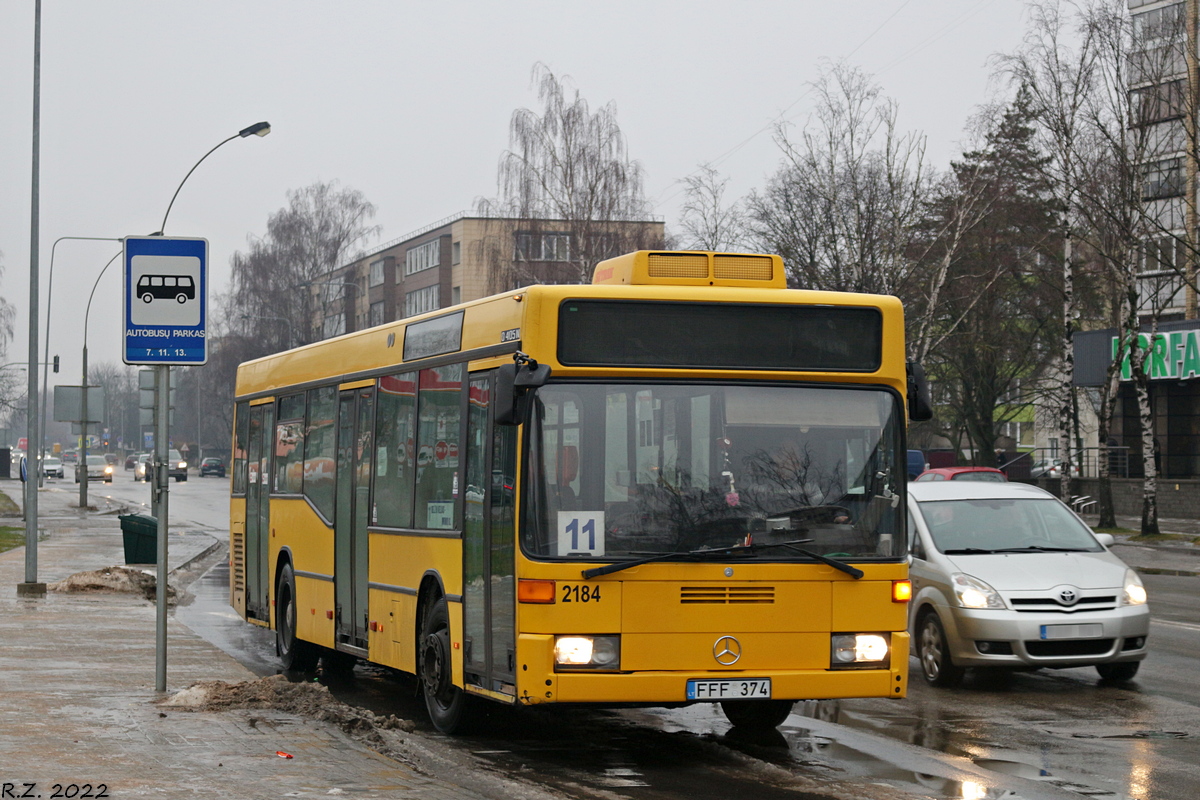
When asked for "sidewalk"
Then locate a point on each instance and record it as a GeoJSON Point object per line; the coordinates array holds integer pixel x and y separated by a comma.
{"type": "Point", "coordinates": [77, 675]}
{"type": "Point", "coordinates": [1162, 558]}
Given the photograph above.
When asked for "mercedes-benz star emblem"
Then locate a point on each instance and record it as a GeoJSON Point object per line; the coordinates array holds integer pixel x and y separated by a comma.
{"type": "Point", "coordinates": [727, 651]}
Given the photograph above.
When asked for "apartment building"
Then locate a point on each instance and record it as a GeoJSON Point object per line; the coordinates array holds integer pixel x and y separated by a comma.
{"type": "Point", "coordinates": [463, 258]}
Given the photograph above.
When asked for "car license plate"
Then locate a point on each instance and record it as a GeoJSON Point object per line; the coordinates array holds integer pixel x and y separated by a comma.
{"type": "Point", "coordinates": [1087, 630]}
{"type": "Point", "coordinates": [740, 689]}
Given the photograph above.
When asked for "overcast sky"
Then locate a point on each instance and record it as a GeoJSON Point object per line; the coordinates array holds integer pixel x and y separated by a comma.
{"type": "Point", "coordinates": [410, 103]}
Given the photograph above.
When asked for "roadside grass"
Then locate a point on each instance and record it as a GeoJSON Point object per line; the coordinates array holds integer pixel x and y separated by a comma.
{"type": "Point", "coordinates": [1116, 531]}
{"type": "Point", "coordinates": [8, 507]}
{"type": "Point", "coordinates": [11, 537]}
{"type": "Point", "coordinates": [1165, 537]}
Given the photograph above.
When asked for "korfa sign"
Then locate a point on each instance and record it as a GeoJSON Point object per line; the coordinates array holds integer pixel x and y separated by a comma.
{"type": "Point", "coordinates": [1173, 355]}
{"type": "Point", "coordinates": [166, 300]}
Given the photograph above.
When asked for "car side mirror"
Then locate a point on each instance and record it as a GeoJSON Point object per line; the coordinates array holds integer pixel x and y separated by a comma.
{"type": "Point", "coordinates": [1105, 539]}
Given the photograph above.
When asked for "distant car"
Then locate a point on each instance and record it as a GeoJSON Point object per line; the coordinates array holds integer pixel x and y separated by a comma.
{"type": "Point", "coordinates": [131, 460]}
{"type": "Point", "coordinates": [985, 474]}
{"type": "Point", "coordinates": [52, 467]}
{"type": "Point", "coordinates": [212, 466]}
{"type": "Point", "coordinates": [916, 464]}
{"type": "Point", "coordinates": [1051, 468]}
{"type": "Point", "coordinates": [1005, 576]}
{"type": "Point", "coordinates": [177, 468]}
{"type": "Point", "coordinates": [111, 458]}
{"type": "Point", "coordinates": [98, 468]}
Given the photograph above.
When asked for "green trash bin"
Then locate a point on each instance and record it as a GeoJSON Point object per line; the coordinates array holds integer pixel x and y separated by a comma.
{"type": "Point", "coordinates": [140, 533]}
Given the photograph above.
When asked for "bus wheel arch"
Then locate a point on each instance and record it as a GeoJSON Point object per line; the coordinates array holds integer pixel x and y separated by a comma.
{"type": "Point", "coordinates": [295, 654]}
{"type": "Point", "coordinates": [444, 701]}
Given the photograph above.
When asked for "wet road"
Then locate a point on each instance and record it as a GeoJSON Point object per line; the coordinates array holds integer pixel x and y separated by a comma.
{"type": "Point", "coordinates": [1050, 734]}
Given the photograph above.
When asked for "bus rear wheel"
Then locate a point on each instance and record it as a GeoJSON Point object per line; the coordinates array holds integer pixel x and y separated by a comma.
{"type": "Point", "coordinates": [757, 714]}
{"type": "Point", "coordinates": [444, 701]}
{"type": "Point", "coordinates": [295, 654]}
{"type": "Point", "coordinates": [147, 297]}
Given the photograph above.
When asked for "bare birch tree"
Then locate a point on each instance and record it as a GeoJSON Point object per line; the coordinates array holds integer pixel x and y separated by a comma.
{"type": "Point", "coordinates": [708, 222]}
{"type": "Point", "coordinates": [843, 207]}
{"type": "Point", "coordinates": [564, 180]}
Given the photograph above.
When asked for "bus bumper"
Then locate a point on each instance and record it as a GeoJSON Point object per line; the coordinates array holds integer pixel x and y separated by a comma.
{"type": "Point", "coordinates": [669, 687]}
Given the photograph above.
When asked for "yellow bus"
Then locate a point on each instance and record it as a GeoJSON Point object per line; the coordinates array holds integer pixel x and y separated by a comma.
{"type": "Point", "coordinates": [681, 483]}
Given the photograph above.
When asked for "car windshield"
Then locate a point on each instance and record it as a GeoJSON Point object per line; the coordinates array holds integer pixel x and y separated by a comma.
{"type": "Point", "coordinates": [96, 461]}
{"type": "Point", "coordinates": [986, 477]}
{"type": "Point", "coordinates": [1005, 524]}
{"type": "Point", "coordinates": [51, 462]}
{"type": "Point", "coordinates": [625, 471]}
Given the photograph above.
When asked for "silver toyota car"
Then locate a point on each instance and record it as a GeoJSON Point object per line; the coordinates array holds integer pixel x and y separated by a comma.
{"type": "Point", "coordinates": [1006, 576]}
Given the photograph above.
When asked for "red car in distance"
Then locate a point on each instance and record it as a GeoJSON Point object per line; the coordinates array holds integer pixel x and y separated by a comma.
{"type": "Point", "coordinates": [989, 474]}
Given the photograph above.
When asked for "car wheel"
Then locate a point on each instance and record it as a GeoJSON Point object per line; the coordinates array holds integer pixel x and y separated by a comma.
{"type": "Point", "coordinates": [937, 666]}
{"type": "Point", "coordinates": [1124, 671]}
{"type": "Point", "coordinates": [444, 701]}
{"type": "Point", "coordinates": [757, 714]}
{"type": "Point", "coordinates": [293, 653]}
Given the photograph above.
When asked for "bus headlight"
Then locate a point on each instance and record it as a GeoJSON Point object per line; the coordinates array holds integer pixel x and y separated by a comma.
{"type": "Point", "coordinates": [587, 652]}
{"type": "Point", "coordinates": [859, 650]}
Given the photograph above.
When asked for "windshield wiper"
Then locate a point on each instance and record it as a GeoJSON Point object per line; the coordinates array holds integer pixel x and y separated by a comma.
{"type": "Point", "coordinates": [1037, 548]}
{"type": "Point", "coordinates": [958, 551]}
{"type": "Point", "coordinates": [724, 552]}
{"type": "Point", "coordinates": [853, 572]}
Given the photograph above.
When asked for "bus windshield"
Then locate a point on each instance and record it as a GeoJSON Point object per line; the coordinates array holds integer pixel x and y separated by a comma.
{"type": "Point", "coordinates": [619, 471]}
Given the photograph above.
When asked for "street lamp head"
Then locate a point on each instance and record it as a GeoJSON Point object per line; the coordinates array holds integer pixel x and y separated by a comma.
{"type": "Point", "coordinates": [257, 129]}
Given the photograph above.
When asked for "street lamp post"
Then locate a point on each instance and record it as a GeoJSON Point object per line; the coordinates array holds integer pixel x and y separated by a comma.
{"type": "Point", "coordinates": [83, 392]}
{"type": "Point", "coordinates": [46, 359]}
{"type": "Point", "coordinates": [161, 449]}
{"type": "Point", "coordinates": [285, 320]}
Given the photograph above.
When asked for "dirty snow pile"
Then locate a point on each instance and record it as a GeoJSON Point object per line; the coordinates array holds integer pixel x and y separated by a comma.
{"type": "Point", "coordinates": [112, 579]}
{"type": "Point", "coordinates": [279, 694]}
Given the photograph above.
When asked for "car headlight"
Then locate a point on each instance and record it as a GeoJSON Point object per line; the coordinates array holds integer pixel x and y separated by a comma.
{"type": "Point", "coordinates": [1135, 590]}
{"type": "Point", "coordinates": [108, 470]}
{"type": "Point", "coordinates": [974, 593]}
{"type": "Point", "coordinates": [858, 650]}
{"type": "Point", "coordinates": [587, 652]}
{"type": "Point", "coordinates": [182, 465]}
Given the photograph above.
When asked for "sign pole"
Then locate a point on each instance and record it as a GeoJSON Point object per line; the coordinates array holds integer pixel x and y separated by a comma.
{"type": "Point", "coordinates": [166, 312]}
{"type": "Point", "coordinates": [161, 479]}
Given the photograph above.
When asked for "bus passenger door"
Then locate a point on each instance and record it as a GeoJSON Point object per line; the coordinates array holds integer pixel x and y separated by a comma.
{"type": "Point", "coordinates": [352, 514]}
{"type": "Point", "coordinates": [489, 536]}
{"type": "Point", "coordinates": [258, 507]}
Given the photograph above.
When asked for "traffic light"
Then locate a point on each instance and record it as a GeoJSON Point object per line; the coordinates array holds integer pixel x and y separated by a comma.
{"type": "Point", "coordinates": [56, 365]}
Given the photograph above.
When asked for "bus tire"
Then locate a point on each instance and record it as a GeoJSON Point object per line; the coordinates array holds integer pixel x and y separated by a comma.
{"type": "Point", "coordinates": [757, 714]}
{"type": "Point", "coordinates": [181, 298]}
{"type": "Point", "coordinates": [444, 701]}
{"type": "Point", "coordinates": [147, 297]}
{"type": "Point", "coordinates": [295, 654]}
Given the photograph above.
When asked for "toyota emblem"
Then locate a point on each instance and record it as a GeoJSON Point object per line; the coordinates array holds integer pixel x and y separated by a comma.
{"type": "Point", "coordinates": [727, 651]}
{"type": "Point", "coordinates": [1067, 595]}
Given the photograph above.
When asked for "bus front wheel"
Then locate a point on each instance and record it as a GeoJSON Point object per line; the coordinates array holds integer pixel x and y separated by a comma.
{"type": "Point", "coordinates": [295, 654]}
{"type": "Point", "coordinates": [181, 298]}
{"type": "Point", "coordinates": [444, 700]}
{"type": "Point", "coordinates": [757, 714]}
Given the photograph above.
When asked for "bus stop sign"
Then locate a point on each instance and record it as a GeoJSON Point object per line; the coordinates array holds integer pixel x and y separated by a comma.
{"type": "Point", "coordinates": [166, 300]}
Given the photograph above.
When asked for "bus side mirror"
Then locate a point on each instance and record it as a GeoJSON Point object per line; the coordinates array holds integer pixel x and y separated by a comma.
{"type": "Point", "coordinates": [920, 403]}
{"type": "Point", "coordinates": [513, 382]}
